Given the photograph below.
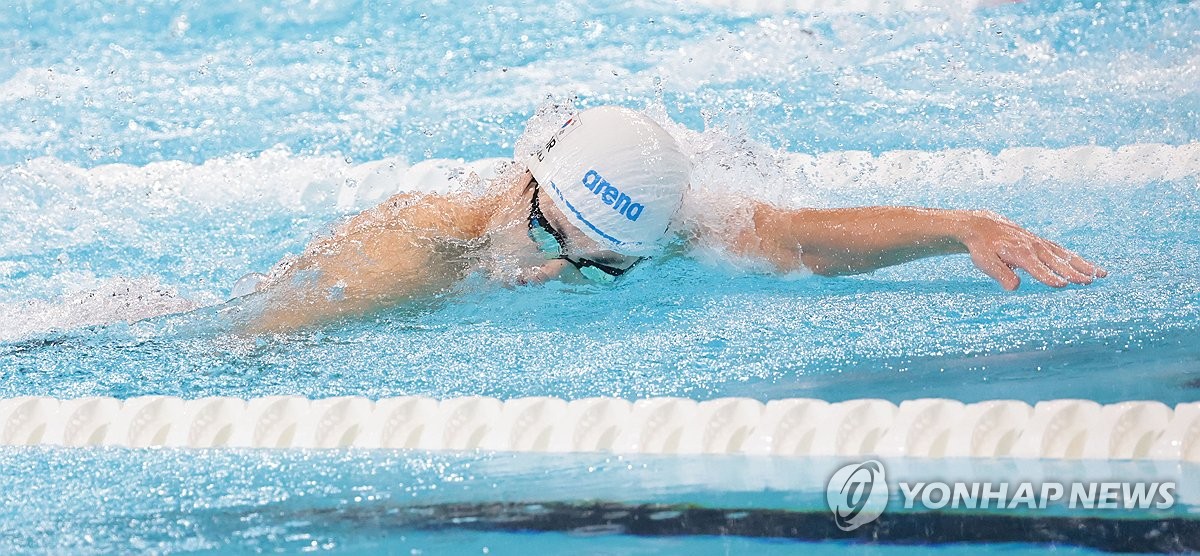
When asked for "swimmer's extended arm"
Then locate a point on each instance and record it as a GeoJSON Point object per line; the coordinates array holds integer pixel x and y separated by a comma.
{"type": "Point", "coordinates": [835, 242]}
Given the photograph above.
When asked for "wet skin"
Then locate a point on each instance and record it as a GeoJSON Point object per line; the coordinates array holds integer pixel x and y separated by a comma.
{"type": "Point", "coordinates": [416, 246]}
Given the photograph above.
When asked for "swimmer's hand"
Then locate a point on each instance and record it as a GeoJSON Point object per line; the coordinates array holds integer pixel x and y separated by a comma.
{"type": "Point", "coordinates": [837, 242]}
{"type": "Point", "coordinates": [998, 247]}
{"type": "Point", "coordinates": [541, 274]}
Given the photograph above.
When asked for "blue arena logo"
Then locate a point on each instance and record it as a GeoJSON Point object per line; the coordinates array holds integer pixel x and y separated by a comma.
{"type": "Point", "coordinates": [608, 193]}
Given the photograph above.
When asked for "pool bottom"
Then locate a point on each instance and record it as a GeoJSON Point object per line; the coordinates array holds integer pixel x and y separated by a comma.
{"type": "Point", "coordinates": [1108, 534]}
{"type": "Point", "coordinates": [520, 543]}
{"type": "Point", "coordinates": [172, 500]}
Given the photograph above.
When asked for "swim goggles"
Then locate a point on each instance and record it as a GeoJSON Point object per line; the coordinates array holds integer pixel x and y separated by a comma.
{"type": "Point", "coordinates": [553, 243]}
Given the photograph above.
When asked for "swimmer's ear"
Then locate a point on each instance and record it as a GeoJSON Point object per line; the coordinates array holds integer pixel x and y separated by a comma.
{"type": "Point", "coordinates": [529, 185]}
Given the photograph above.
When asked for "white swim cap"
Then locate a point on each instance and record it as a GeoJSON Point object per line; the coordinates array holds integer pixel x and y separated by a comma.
{"type": "Point", "coordinates": [617, 175]}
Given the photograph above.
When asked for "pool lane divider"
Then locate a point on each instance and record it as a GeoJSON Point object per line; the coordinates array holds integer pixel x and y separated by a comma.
{"type": "Point", "coordinates": [926, 428]}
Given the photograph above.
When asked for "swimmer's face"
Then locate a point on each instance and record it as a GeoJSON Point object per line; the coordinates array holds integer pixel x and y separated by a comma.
{"type": "Point", "coordinates": [584, 257]}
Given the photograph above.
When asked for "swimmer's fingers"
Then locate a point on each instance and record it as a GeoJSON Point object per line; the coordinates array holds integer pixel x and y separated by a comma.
{"type": "Point", "coordinates": [542, 274]}
{"type": "Point", "coordinates": [998, 247]}
{"type": "Point", "coordinates": [1061, 265]}
{"type": "Point", "coordinates": [1026, 258]}
{"type": "Point", "coordinates": [1021, 251]}
{"type": "Point", "coordinates": [1078, 263]}
{"type": "Point", "coordinates": [990, 264]}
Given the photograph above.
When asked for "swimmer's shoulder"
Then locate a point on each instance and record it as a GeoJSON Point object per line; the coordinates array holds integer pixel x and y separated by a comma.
{"type": "Point", "coordinates": [453, 215]}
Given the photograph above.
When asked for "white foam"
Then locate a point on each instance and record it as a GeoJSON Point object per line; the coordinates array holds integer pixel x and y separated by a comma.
{"type": "Point", "coordinates": [319, 184]}
{"type": "Point", "coordinates": [878, 7]}
{"type": "Point", "coordinates": [81, 205]}
{"type": "Point", "coordinates": [115, 300]}
{"type": "Point", "coordinates": [56, 206]}
{"type": "Point", "coordinates": [316, 183]}
{"type": "Point", "coordinates": [274, 176]}
{"type": "Point", "coordinates": [956, 169]}
{"type": "Point", "coordinates": [29, 83]}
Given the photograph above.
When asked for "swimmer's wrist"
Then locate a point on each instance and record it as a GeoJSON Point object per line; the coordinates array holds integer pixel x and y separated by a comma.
{"type": "Point", "coordinates": [963, 226]}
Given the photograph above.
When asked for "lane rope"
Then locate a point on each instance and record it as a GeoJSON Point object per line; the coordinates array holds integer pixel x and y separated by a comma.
{"type": "Point", "coordinates": [928, 428]}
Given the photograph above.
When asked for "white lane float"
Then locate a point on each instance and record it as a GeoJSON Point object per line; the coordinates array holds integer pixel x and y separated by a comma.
{"type": "Point", "coordinates": [925, 428]}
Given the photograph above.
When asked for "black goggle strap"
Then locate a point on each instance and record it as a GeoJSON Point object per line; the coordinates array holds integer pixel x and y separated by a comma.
{"type": "Point", "coordinates": [609, 270]}
{"type": "Point", "coordinates": [538, 220]}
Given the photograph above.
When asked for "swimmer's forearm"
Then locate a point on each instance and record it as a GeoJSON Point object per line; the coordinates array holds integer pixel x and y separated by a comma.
{"type": "Point", "coordinates": [834, 242]}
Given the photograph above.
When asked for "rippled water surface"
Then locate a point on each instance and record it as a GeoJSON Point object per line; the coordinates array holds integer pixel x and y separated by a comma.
{"type": "Point", "coordinates": [151, 154]}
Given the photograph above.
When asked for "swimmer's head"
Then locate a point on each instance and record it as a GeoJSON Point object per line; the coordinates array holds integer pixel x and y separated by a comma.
{"type": "Point", "coordinates": [616, 175]}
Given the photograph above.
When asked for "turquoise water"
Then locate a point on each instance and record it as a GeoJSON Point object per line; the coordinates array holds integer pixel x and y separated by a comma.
{"type": "Point", "coordinates": [150, 155]}
{"type": "Point", "coordinates": [265, 500]}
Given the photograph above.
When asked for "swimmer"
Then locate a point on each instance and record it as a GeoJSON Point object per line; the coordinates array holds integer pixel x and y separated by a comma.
{"type": "Point", "coordinates": [591, 204]}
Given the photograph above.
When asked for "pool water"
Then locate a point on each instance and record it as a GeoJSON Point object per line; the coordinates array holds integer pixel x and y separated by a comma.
{"type": "Point", "coordinates": [150, 155]}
